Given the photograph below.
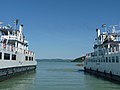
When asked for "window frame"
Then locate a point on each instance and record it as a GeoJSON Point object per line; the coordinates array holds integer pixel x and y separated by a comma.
{"type": "Point", "coordinates": [6, 56]}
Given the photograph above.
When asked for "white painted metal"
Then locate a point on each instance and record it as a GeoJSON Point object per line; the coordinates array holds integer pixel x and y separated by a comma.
{"type": "Point", "coordinates": [13, 42]}
{"type": "Point", "coordinates": [102, 57]}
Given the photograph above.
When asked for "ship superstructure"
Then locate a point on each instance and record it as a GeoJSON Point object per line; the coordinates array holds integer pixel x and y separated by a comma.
{"type": "Point", "coordinates": [106, 55]}
{"type": "Point", "coordinates": [14, 54]}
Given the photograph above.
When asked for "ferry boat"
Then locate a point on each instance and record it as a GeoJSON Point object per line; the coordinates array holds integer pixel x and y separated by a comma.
{"type": "Point", "coordinates": [105, 58]}
{"type": "Point", "coordinates": [14, 54]}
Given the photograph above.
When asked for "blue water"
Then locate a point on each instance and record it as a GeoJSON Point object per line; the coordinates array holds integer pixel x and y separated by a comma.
{"type": "Point", "coordinates": [57, 76]}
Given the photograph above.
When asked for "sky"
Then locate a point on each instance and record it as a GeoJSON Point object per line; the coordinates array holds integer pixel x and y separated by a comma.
{"type": "Point", "coordinates": [60, 28]}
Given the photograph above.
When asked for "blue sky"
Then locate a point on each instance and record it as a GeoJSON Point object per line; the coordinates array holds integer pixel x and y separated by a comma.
{"type": "Point", "coordinates": [60, 28]}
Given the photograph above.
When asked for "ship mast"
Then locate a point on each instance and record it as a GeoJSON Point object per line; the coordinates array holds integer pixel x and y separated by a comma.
{"type": "Point", "coordinates": [16, 23]}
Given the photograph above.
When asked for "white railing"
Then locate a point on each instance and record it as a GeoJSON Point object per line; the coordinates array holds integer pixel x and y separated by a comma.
{"type": "Point", "coordinates": [15, 49]}
{"type": "Point", "coordinates": [11, 37]}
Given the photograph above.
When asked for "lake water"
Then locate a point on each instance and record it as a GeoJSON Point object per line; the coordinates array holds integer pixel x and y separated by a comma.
{"type": "Point", "coordinates": [57, 76]}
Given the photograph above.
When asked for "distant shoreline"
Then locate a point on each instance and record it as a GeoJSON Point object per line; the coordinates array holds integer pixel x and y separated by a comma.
{"type": "Point", "coordinates": [55, 60]}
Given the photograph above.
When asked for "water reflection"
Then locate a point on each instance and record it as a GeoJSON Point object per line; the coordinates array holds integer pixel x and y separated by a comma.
{"type": "Point", "coordinates": [19, 82]}
{"type": "Point", "coordinates": [58, 76]}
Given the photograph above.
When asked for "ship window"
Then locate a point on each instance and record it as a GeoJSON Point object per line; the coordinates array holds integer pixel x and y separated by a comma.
{"type": "Point", "coordinates": [13, 57]}
{"type": "Point", "coordinates": [109, 59]}
{"type": "Point", "coordinates": [32, 58]}
{"type": "Point", "coordinates": [0, 55]}
{"type": "Point", "coordinates": [117, 59]}
{"type": "Point", "coordinates": [6, 56]}
{"type": "Point", "coordinates": [109, 49]}
{"type": "Point", "coordinates": [29, 58]}
{"type": "Point", "coordinates": [26, 58]}
{"type": "Point", "coordinates": [106, 59]}
{"type": "Point", "coordinates": [113, 59]}
{"type": "Point", "coordinates": [103, 59]}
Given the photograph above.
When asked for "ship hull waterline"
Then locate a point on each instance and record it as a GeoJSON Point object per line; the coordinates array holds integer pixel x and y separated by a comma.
{"type": "Point", "coordinates": [108, 76]}
{"type": "Point", "coordinates": [6, 73]}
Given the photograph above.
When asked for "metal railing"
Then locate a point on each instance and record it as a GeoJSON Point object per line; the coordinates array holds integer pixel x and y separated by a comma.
{"type": "Point", "coordinates": [15, 49]}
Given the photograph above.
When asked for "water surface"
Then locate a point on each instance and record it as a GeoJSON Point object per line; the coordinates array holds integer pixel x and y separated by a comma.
{"type": "Point", "coordinates": [57, 76]}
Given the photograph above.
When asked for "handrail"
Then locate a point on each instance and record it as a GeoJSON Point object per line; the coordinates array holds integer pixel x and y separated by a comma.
{"type": "Point", "coordinates": [15, 49]}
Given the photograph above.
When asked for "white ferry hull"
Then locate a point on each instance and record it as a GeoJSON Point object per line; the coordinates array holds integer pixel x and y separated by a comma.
{"type": "Point", "coordinates": [6, 73]}
{"type": "Point", "coordinates": [103, 74]}
{"type": "Point", "coordinates": [108, 69]}
{"type": "Point", "coordinates": [9, 68]}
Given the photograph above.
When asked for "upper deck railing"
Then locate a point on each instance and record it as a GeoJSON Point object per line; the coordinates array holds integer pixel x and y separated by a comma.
{"type": "Point", "coordinates": [11, 48]}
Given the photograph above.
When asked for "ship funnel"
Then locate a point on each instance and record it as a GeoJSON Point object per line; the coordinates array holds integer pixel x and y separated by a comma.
{"type": "Point", "coordinates": [98, 32]}
{"type": "Point", "coordinates": [21, 28]}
